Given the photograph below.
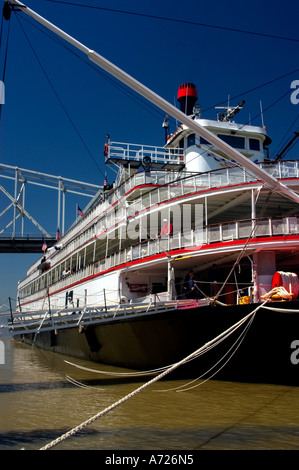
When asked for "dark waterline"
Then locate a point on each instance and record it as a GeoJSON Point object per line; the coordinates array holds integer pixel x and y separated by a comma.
{"type": "Point", "coordinates": [42, 397]}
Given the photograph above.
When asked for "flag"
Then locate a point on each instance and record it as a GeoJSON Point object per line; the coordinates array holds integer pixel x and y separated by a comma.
{"type": "Point", "coordinates": [106, 185]}
{"type": "Point", "coordinates": [58, 235]}
{"type": "Point", "coordinates": [80, 212]}
{"type": "Point", "coordinates": [44, 247]}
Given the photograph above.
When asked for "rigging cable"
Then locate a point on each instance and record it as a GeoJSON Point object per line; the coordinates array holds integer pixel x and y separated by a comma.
{"type": "Point", "coordinates": [137, 14]}
{"type": "Point", "coordinates": [144, 103]}
{"type": "Point", "coordinates": [285, 138]}
{"type": "Point", "coordinates": [266, 109]}
{"type": "Point", "coordinates": [176, 20]}
{"type": "Point", "coordinates": [139, 100]}
{"type": "Point", "coordinates": [269, 82]}
{"type": "Point", "coordinates": [2, 80]}
{"type": "Point", "coordinates": [261, 85]}
{"type": "Point", "coordinates": [59, 99]}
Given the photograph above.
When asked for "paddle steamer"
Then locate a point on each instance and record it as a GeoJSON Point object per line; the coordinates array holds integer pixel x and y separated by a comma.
{"type": "Point", "coordinates": [117, 288]}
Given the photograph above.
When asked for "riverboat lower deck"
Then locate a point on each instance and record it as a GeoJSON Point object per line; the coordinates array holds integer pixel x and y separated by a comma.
{"type": "Point", "coordinates": [246, 342]}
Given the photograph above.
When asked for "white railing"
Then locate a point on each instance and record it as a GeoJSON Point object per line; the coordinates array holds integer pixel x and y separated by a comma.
{"type": "Point", "coordinates": [217, 233]}
{"type": "Point", "coordinates": [284, 169]}
{"type": "Point", "coordinates": [44, 320]}
{"type": "Point", "coordinates": [136, 153]}
{"type": "Point", "coordinates": [236, 230]}
{"type": "Point", "coordinates": [169, 185]}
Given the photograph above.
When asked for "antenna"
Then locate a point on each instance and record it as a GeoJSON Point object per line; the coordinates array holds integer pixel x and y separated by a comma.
{"type": "Point", "coordinates": [231, 111]}
{"type": "Point", "coordinates": [262, 115]}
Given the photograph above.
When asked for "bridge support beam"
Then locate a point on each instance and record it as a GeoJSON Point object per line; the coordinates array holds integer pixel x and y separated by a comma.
{"type": "Point", "coordinates": [24, 245]}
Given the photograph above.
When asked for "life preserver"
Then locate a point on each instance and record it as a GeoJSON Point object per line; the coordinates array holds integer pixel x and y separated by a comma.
{"type": "Point", "coordinates": [287, 280]}
{"type": "Point", "coordinates": [106, 149]}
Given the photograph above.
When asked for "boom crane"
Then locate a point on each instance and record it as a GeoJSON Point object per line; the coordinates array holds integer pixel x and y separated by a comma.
{"type": "Point", "coordinates": [161, 103]}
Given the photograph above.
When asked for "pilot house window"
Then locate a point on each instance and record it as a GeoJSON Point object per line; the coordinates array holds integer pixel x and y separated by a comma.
{"type": "Point", "coordinates": [233, 140]}
{"type": "Point", "coordinates": [191, 140]}
{"type": "Point", "coordinates": [254, 144]}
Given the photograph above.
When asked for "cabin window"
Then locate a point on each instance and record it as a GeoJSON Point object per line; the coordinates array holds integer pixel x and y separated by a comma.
{"type": "Point", "coordinates": [233, 140]}
{"type": "Point", "coordinates": [254, 144]}
{"type": "Point", "coordinates": [190, 140]}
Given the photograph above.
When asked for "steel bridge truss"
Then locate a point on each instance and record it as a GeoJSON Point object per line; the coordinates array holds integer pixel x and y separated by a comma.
{"type": "Point", "coordinates": [15, 213]}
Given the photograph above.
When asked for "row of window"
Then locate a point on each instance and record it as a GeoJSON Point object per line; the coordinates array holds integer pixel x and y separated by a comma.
{"type": "Point", "coordinates": [234, 141]}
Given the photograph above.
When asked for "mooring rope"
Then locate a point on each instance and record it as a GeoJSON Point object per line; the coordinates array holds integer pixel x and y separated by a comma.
{"type": "Point", "coordinates": [161, 369]}
{"type": "Point", "coordinates": [233, 348]}
{"type": "Point", "coordinates": [144, 386]}
{"type": "Point", "coordinates": [119, 374]}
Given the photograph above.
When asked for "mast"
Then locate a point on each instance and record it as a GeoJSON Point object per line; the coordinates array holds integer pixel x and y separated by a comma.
{"type": "Point", "coordinates": [161, 103]}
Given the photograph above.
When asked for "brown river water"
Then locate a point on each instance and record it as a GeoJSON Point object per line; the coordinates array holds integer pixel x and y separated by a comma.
{"type": "Point", "coordinates": [42, 397]}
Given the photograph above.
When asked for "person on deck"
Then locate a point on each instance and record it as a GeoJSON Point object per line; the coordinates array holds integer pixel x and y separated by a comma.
{"type": "Point", "coordinates": [190, 289]}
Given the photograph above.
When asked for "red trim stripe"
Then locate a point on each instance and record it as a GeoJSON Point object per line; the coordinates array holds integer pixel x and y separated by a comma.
{"type": "Point", "coordinates": [182, 251]}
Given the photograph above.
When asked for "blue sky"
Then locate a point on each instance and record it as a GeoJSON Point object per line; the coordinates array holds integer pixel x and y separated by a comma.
{"type": "Point", "coordinates": [35, 129]}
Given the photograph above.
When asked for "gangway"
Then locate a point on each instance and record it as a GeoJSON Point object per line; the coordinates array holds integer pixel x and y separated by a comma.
{"type": "Point", "coordinates": [47, 320]}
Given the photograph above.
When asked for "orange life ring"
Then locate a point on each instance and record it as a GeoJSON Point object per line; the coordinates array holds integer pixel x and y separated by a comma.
{"type": "Point", "coordinates": [106, 149]}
